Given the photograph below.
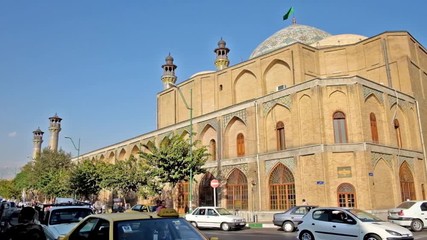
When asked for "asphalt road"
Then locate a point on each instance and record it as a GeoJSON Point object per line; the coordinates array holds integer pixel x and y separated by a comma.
{"type": "Point", "coordinates": [269, 234]}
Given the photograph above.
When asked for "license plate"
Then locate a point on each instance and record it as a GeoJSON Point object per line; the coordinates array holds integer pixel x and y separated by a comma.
{"type": "Point", "coordinates": [242, 223]}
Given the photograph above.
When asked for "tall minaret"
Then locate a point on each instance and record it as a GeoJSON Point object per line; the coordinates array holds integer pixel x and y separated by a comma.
{"type": "Point", "coordinates": [221, 61]}
{"type": "Point", "coordinates": [168, 77]}
{"type": "Point", "coordinates": [37, 142]}
{"type": "Point", "coordinates": [54, 128]}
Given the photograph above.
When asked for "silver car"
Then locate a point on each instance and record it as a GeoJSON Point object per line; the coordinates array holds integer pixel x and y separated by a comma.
{"type": "Point", "coordinates": [290, 219]}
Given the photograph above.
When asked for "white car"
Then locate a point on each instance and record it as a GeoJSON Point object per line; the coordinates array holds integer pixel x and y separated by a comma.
{"type": "Point", "coordinates": [215, 217]}
{"type": "Point", "coordinates": [332, 223]}
{"type": "Point", "coordinates": [412, 214]}
{"type": "Point", "coordinates": [58, 220]}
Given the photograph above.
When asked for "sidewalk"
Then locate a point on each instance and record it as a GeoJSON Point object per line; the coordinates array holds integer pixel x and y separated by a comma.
{"type": "Point", "coordinates": [261, 225]}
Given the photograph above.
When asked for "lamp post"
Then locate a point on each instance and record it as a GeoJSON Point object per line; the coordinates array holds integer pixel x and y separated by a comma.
{"type": "Point", "coordinates": [190, 108]}
{"type": "Point", "coordinates": [77, 148]}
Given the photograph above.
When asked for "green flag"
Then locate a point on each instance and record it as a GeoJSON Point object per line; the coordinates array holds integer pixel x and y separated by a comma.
{"type": "Point", "coordinates": [290, 11]}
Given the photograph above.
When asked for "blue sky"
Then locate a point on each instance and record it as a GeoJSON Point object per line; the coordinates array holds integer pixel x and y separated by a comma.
{"type": "Point", "coordinates": [97, 64]}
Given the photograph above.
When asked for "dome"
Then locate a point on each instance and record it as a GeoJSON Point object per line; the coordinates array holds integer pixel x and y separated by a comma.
{"type": "Point", "coordinates": [286, 36]}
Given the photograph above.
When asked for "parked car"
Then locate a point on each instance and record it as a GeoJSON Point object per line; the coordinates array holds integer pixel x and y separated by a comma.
{"type": "Point", "coordinates": [332, 223]}
{"type": "Point", "coordinates": [133, 226]}
{"type": "Point", "coordinates": [411, 214]}
{"type": "Point", "coordinates": [290, 219]}
{"type": "Point", "coordinates": [215, 217]}
{"type": "Point", "coordinates": [142, 208]}
{"type": "Point", "coordinates": [59, 219]}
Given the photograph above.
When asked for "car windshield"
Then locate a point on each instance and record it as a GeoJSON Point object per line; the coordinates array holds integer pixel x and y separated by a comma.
{"type": "Point", "coordinates": [68, 215]}
{"type": "Point", "coordinates": [223, 211]}
{"type": "Point", "coordinates": [406, 205]}
{"type": "Point", "coordinates": [156, 228]}
{"type": "Point", "coordinates": [365, 216]}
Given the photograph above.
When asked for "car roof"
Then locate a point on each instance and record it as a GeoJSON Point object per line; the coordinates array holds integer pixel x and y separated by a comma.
{"type": "Point", "coordinates": [125, 216]}
{"type": "Point", "coordinates": [69, 207]}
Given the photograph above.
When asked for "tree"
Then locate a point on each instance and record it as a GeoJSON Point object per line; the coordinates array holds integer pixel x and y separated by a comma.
{"type": "Point", "coordinates": [172, 162]}
{"type": "Point", "coordinates": [85, 179]}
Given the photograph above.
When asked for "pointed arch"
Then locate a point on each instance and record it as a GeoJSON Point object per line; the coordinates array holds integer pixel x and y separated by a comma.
{"type": "Point", "coordinates": [346, 195]}
{"type": "Point", "coordinates": [122, 154]}
{"type": "Point", "coordinates": [206, 197]}
{"type": "Point", "coordinates": [235, 127]}
{"type": "Point", "coordinates": [208, 138]}
{"type": "Point", "coordinates": [280, 133]}
{"type": "Point", "coordinates": [282, 188]}
{"type": "Point", "coordinates": [337, 92]}
{"type": "Point", "coordinates": [407, 185]}
{"type": "Point", "coordinates": [135, 151]}
{"type": "Point", "coordinates": [111, 157]}
{"type": "Point", "coordinates": [237, 190]}
{"type": "Point", "coordinates": [245, 86]}
{"type": "Point", "coordinates": [278, 114]}
{"type": "Point", "coordinates": [277, 73]}
{"type": "Point", "coordinates": [382, 191]}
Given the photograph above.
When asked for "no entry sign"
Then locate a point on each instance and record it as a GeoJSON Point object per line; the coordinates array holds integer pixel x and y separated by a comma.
{"type": "Point", "coordinates": [214, 183]}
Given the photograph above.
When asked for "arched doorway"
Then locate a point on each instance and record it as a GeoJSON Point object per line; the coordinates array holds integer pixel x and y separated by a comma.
{"type": "Point", "coordinates": [237, 191]}
{"type": "Point", "coordinates": [407, 186]}
{"type": "Point", "coordinates": [346, 195]}
{"type": "Point", "coordinates": [282, 188]}
{"type": "Point", "coordinates": [206, 191]}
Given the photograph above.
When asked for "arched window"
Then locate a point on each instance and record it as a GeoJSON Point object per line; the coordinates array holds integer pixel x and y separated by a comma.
{"type": "Point", "coordinates": [374, 129]}
{"type": "Point", "coordinates": [237, 191]}
{"type": "Point", "coordinates": [240, 145]}
{"type": "Point", "coordinates": [346, 196]}
{"type": "Point", "coordinates": [206, 197]}
{"type": "Point", "coordinates": [280, 132]}
{"type": "Point", "coordinates": [407, 186]}
{"type": "Point", "coordinates": [282, 188]}
{"type": "Point", "coordinates": [397, 129]}
{"type": "Point", "coordinates": [212, 149]}
{"type": "Point", "coordinates": [340, 128]}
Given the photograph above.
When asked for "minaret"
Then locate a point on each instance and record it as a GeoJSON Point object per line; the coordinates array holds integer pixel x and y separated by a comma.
{"type": "Point", "coordinates": [168, 77]}
{"type": "Point", "coordinates": [221, 61]}
{"type": "Point", "coordinates": [54, 128]}
{"type": "Point", "coordinates": [37, 142]}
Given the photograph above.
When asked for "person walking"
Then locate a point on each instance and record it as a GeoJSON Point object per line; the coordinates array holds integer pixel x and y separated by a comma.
{"type": "Point", "coordinates": [26, 228]}
{"type": "Point", "coordinates": [304, 202]}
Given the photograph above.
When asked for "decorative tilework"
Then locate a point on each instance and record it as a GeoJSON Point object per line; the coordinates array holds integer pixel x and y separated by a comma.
{"type": "Point", "coordinates": [286, 36]}
{"type": "Point", "coordinates": [213, 171]}
{"type": "Point", "coordinates": [376, 156]}
{"type": "Point", "coordinates": [212, 122]}
{"type": "Point", "coordinates": [226, 170]}
{"type": "Point", "coordinates": [368, 91]}
{"type": "Point", "coordinates": [181, 130]}
{"type": "Point", "coordinates": [402, 103]}
{"type": "Point", "coordinates": [288, 162]}
{"type": "Point", "coordinates": [227, 118]}
{"type": "Point", "coordinates": [285, 101]}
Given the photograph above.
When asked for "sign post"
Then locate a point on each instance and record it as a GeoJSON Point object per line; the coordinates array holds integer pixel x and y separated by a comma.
{"type": "Point", "coordinates": [214, 185]}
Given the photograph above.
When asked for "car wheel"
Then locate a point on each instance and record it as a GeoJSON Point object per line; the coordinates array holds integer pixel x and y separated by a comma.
{"type": "Point", "coordinates": [417, 225]}
{"type": "Point", "coordinates": [288, 226]}
{"type": "Point", "coordinates": [194, 224]}
{"type": "Point", "coordinates": [306, 235]}
{"type": "Point", "coordinates": [372, 237]}
{"type": "Point", "coordinates": [225, 226]}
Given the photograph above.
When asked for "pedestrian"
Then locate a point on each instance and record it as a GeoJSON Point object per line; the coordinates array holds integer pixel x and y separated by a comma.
{"type": "Point", "coordinates": [304, 202]}
{"type": "Point", "coordinates": [26, 228]}
{"type": "Point", "coordinates": [158, 204]}
{"type": "Point", "coordinates": [163, 205]}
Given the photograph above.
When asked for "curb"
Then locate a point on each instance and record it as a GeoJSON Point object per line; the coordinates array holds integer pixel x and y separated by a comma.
{"type": "Point", "coordinates": [261, 225]}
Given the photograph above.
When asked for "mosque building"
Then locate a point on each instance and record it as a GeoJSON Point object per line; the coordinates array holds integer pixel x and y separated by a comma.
{"type": "Point", "coordinates": [338, 120]}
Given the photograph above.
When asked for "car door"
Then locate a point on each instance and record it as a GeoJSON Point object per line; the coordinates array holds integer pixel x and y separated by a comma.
{"type": "Point", "coordinates": [344, 226]}
{"type": "Point", "coordinates": [199, 216]}
{"type": "Point", "coordinates": [422, 213]}
{"type": "Point", "coordinates": [213, 218]}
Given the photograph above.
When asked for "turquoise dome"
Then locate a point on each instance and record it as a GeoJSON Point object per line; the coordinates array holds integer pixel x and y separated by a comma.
{"type": "Point", "coordinates": [286, 36]}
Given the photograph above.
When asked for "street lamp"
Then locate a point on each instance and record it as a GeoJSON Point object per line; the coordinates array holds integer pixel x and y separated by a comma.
{"type": "Point", "coordinates": [190, 108]}
{"type": "Point", "coordinates": [77, 148]}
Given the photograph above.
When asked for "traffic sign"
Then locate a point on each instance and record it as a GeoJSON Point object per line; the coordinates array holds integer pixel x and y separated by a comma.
{"type": "Point", "coordinates": [214, 183]}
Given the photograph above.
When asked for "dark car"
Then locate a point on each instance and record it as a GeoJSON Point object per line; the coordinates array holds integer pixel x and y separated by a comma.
{"type": "Point", "coordinates": [143, 208]}
{"type": "Point", "coordinates": [290, 219]}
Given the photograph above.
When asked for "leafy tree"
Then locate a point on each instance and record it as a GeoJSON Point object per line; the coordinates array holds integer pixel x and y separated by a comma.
{"type": "Point", "coordinates": [7, 189]}
{"type": "Point", "coordinates": [51, 172]}
{"type": "Point", "coordinates": [172, 161]}
{"type": "Point", "coordinates": [85, 179]}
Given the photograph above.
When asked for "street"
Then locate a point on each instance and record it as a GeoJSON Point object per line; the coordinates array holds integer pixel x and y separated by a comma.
{"type": "Point", "coordinates": [269, 234]}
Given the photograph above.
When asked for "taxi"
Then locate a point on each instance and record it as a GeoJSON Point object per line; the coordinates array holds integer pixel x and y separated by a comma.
{"type": "Point", "coordinates": [165, 225]}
